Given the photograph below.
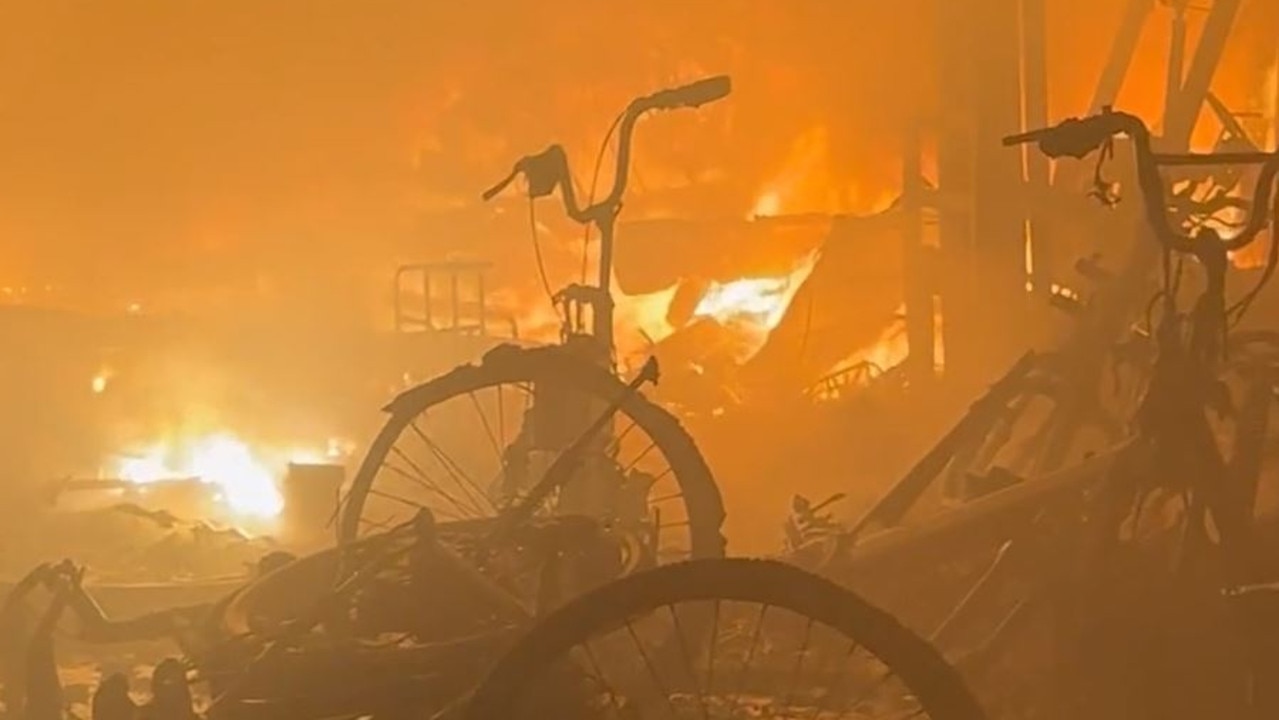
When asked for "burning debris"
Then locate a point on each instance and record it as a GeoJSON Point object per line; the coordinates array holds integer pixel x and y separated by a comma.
{"type": "Point", "coordinates": [243, 485]}
{"type": "Point", "coordinates": [751, 308]}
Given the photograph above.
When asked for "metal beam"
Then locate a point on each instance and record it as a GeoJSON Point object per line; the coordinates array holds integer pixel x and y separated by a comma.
{"type": "Point", "coordinates": [920, 330]}
{"type": "Point", "coordinates": [979, 523]}
{"type": "Point", "coordinates": [1121, 54]}
{"type": "Point", "coordinates": [1180, 125]}
{"type": "Point", "coordinates": [1176, 61]}
{"type": "Point", "coordinates": [955, 127]}
{"type": "Point", "coordinates": [999, 199]}
{"type": "Point", "coordinates": [1229, 122]}
{"type": "Point", "coordinates": [1034, 32]}
{"type": "Point", "coordinates": [1274, 132]}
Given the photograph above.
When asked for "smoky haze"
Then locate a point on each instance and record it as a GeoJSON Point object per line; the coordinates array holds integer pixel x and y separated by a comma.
{"type": "Point", "coordinates": [151, 149]}
{"type": "Point", "coordinates": [274, 160]}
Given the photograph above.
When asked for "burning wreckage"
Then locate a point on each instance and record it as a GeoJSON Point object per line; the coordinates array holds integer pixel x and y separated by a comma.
{"type": "Point", "coordinates": [446, 598]}
{"type": "Point", "coordinates": [1101, 560]}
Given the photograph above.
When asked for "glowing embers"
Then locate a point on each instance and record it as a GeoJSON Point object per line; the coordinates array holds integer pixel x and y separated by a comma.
{"type": "Point", "coordinates": [101, 380]}
{"type": "Point", "coordinates": [759, 301]}
{"type": "Point", "coordinates": [768, 204]}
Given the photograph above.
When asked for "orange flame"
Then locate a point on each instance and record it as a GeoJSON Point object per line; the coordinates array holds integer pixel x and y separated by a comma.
{"type": "Point", "coordinates": [805, 183]}
{"type": "Point", "coordinates": [245, 477]}
{"type": "Point", "coordinates": [888, 351]}
{"type": "Point", "coordinates": [101, 380]}
{"type": "Point", "coordinates": [641, 319]}
{"type": "Point", "coordinates": [891, 349]}
{"type": "Point", "coordinates": [753, 307]}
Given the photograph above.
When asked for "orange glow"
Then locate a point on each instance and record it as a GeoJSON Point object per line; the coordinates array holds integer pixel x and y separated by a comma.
{"type": "Point", "coordinates": [536, 319]}
{"type": "Point", "coordinates": [805, 175]}
{"type": "Point", "coordinates": [1252, 257]}
{"type": "Point", "coordinates": [891, 348]}
{"type": "Point", "coordinates": [890, 351]}
{"type": "Point", "coordinates": [809, 183]}
{"type": "Point", "coordinates": [886, 353]}
{"type": "Point", "coordinates": [638, 320]}
{"type": "Point", "coordinates": [266, 168]}
{"type": "Point", "coordinates": [101, 380]}
{"type": "Point", "coordinates": [1270, 104]}
{"type": "Point", "coordinates": [641, 319]}
{"type": "Point", "coordinates": [769, 204]}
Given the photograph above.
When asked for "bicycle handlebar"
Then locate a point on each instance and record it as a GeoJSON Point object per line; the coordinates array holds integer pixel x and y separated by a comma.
{"type": "Point", "coordinates": [692, 95]}
{"type": "Point", "coordinates": [1079, 137]}
{"type": "Point", "coordinates": [549, 169]}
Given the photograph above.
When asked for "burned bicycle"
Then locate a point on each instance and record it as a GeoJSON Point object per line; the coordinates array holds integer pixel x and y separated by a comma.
{"type": "Point", "coordinates": [477, 441]}
{"type": "Point", "coordinates": [1136, 547]}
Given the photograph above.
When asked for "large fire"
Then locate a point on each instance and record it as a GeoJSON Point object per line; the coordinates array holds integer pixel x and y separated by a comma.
{"type": "Point", "coordinates": [753, 307]}
{"type": "Point", "coordinates": [244, 478]}
{"type": "Point", "coordinates": [643, 316]}
{"type": "Point", "coordinates": [887, 352]}
{"type": "Point", "coordinates": [759, 300]}
{"type": "Point", "coordinates": [890, 349]}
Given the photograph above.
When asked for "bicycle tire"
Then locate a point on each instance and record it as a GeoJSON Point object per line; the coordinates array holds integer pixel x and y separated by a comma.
{"type": "Point", "coordinates": [510, 363]}
{"type": "Point", "coordinates": [937, 686]}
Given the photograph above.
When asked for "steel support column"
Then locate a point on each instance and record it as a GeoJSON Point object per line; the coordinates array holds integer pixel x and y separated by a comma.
{"type": "Point", "coordinates": [1121, 53]}
{"type": "Point", "coordinates": [999, 199]}
{"type": "Point", "coordinates": [955, 126]}
{"type": "Point", "coordinates": [1034, 32]}
{"type": "Point", "coordinates": [1176, 61]}
{"type": "Point", "coordinates": [920, 326]}
{"type": "Point", "coordinates": [1180, 125]}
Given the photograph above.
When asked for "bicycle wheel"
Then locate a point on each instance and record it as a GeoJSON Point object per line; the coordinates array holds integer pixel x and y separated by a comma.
{"type": "Point", "coordinates": [454, 443]}
{"type": "Point", "coordinates": [760, 628]}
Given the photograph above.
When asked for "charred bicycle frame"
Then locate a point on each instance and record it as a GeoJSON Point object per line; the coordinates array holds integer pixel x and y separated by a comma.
{"type": "Point", "coordinates": [1060, 529]}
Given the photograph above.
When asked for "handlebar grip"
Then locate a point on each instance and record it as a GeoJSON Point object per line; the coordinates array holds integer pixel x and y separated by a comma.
{"type": "Point", "coordinates": [692, 95]}
{"type": "Point", "coordinates": [1023, 138]}
{"type": "Point", "coordinates": [1073, 137]}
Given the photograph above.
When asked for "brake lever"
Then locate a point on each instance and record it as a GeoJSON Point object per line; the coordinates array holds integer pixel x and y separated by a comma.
{"type": "Point", "coordinates": [1073, 137]}
{"type": "Point", "coordinates": [501, 185]}
{"type": "Point", "coordinates": [545, 171]}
